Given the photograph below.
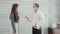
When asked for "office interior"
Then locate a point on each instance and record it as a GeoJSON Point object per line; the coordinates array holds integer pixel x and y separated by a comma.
{"type": "Point", "coordinates": [50, 8]}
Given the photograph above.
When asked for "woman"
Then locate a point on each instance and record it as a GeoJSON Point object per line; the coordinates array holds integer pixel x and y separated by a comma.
{"type": "Point", "coordinates": [14, 18]}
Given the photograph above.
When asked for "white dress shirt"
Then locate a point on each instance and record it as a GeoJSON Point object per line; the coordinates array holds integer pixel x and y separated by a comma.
{"type": "Point", "coordinates": [38, 19]}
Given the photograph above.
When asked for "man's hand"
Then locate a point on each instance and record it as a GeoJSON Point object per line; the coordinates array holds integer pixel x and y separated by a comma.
{"type": "Point", "coordinates": [27, 18]}
{"type": "Point", "coordinates": [34, 26]}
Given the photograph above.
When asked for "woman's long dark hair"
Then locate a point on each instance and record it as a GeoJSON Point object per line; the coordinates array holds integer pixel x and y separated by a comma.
{"type": "Point", "coordinates": [14, 11]}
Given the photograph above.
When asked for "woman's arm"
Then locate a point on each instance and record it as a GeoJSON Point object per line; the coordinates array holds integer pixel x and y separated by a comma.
{"type": "Point", "coordinates": [10, 17]}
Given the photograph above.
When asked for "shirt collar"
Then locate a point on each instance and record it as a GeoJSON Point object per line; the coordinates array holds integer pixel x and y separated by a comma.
{"type": "Point", "coordinates": [37, 11]}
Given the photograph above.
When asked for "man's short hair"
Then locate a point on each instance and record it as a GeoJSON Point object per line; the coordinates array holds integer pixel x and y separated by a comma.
{"type": "Point", "coordinates": [36, 4]}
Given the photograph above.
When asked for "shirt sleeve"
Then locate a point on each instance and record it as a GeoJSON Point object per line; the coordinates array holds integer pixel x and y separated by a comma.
{"type": "Point", "coordinates": [11, 17]}
{"type": "Point", "coordinates": [41, 20]}
{"type": "Point", "coordinates": [42, 17]}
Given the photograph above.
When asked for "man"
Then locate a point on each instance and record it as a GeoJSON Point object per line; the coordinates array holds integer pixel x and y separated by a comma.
{"type": "Point", "coordinates": [37, 20]}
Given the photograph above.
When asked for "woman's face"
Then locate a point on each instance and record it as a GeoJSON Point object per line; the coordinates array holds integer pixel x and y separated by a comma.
{"type": "Point", "coordinates": [17, 9]}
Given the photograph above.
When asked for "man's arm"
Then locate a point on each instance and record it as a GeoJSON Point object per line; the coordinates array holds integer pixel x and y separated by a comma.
{"type": "Point", "coordinates": [41, 20]}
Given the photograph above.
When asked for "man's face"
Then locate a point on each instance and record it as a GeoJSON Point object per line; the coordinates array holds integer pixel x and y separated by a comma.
{"type": "Point", "coordinates": [35, 7]}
